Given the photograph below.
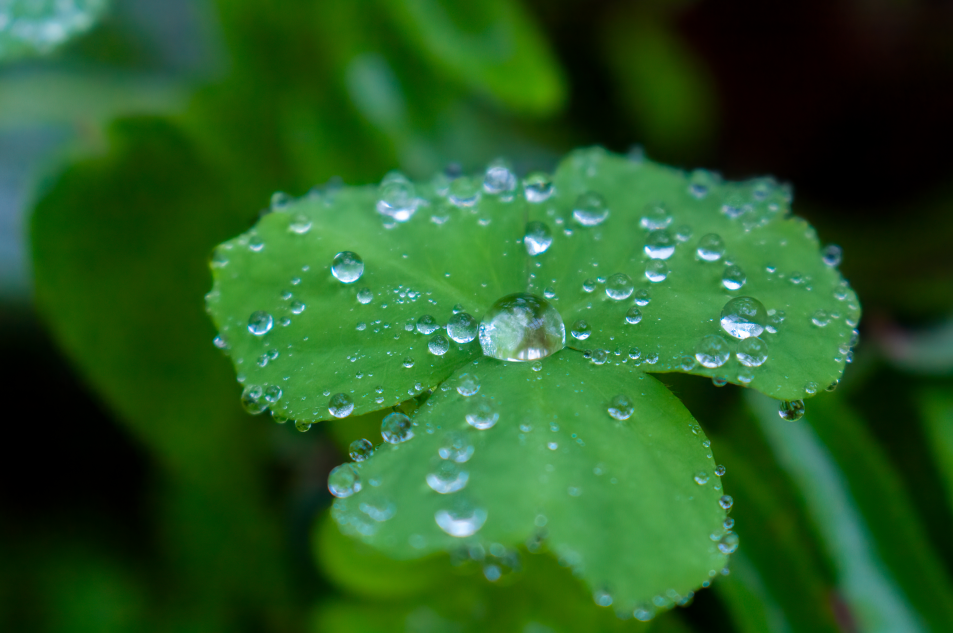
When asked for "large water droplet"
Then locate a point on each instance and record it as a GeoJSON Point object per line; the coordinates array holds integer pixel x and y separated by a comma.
{"type": "Point", "coordinates": [438, 345]}
{"type": "Point", "coordinates": [590, 209]}
{"type": "Point", "coordinates": [468, 385]}
{"type": "Point", "coordinates": [398, 198]}
{"type": "Point", "coordinates": [538, 238]}
{"type": "Point", "coordinates": [340, 405]}
{"type": "Point", "coordinates": [619, 286]}
{"type": "Point", "coordinates": [733, 278]}
{"type": "Point", "coordinates": [360, 450]}
{"type": "Point", "coordinates": [791, 410]}
{"type": "Point", "coordinates": [260, 323]}
{"type": "Point", "coordinates": [482, 416]}
{"type": "Point", "coordinates": [456, 447]}
{"type": "Point", "coordinates": [711, 248]}
{"type": "Point", "coordinates": [522, 327]}
{"type": "Point", "coordinates": [462, 328]}
{"type": "Point", "coordinates": [343, 481]}
{"type": "Point", "coordinates": [752, 352]}
{"type": "Point", "coordinates": [744, 317]}
{"type": "Point", "coordinates": [621, 407]}
{"type": "Point", "coordinates": [447, 477]}
{"type": "Point", "coordinates": [347, 267]}
{"type": "Point", "coordinates": [659, 244]}
{"type": "Point", "coordinates": [396, 427]}
{"type": "Point", "coordinates": [463, 520]}
{"type": "Point", "coordinates": [712, 351]}
{"type": "Point", "coordinates": [537, 187]}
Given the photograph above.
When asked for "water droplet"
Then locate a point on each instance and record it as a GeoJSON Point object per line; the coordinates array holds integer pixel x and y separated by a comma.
{"type": "Point", "coordinates": [427, 325]}
{"type": "Point", "coordinates": [590, 209]}
{"type": "Point", "coordinates": [398, 197]}
{"type": "Point", "coordinates": [733, 278]}
{"type": "Point", "coordinates": [600, 356]}
{"type": "Point", "coordinates": [272, 394]}
{"type": "Point", "coordinates": [456, 447]}
{"type": "Point", "coordinates": [297, 307]}
{"type": "Point", "coordinates": [821, 318]}
{"type": "Point", "coordinates": [498, 178]}
{"type": "Point", "coordinates": [602, 598]}
{"type": "Point", "coordinates": [832, 255]}
{"type": "Point", "coordinates": [719, 381]}
{"type": "Point", "coordinates": [655, 216]}
{"type": "Point", "coordinates": [347, 267]}
{"type": "Point", "coordinates": [589, 285]}
{"type": "Point", "coordinates": [659, 244]}
{"type": "Point", "coordinates": [408, 362]}
{"type": "Point", "coordinates": [462, 328]}
{"type": "Point", "coordinates": [633, 316]}
{"type": "Point", "coordinates": [683, 233]}
{"type": "Point", "coordinates": [464, 192]}
{"type": "Point", "coordinates": [687, 363]}
{"type": "Point", "coordinates": [438, 345]}
{"type": "Point", "coordinates": [447, 477]}
{"type": "Point", "coordinates": [581, 330]}
{"type": "Point", "coordinates": [340, 405]}
{"type": "Point", "coordinates": [726, 502]}
{"type": "Point", "coordinates": [700, 183]}
{"type": "Point", "coordinates": [538, 238]}
{"type": "Point", "coordinates": [728, 543]}
{"type": "Point", "coordinates": [642, 297]}
{"type": "Point", "coordinates": [343, 481]}
{"type": "Point", "coordinates": [744, 317]}
{"type": "Point", "coordinates": [376, 506]}
{"type": "Point", "coordinates": [720, 470]}
{"type": "Point", "coordinates": [619, 286]}
{"type": "Point", "coordinates": [396, 428]}
{"type": "Point", "coordinates": [364, 296]}
{"type": "Point", "coordinates": [303, 425]}
{"type": "Point", "coordinates": [549, 292]}
{"type": "Point", "coordinates": [458, 308]}
{"type": "Point", "coordinates": [482, 416]}
{"type": "Point", "coordinates": [360, 450]}
{"type": "Point", "coordinates": [621, 407]}
{"type": "Point", "coordinates": [468, 385]}
{"type": "Point", "coordinates": [711, 248]}
{"type": "Point", "coordinates": [253, 400]}
{"type": "Point", "coordinates": [656, 271]}
{"type": "Point", "coordinates": [537, 187]}
{"type": "Point", "coordinates": [810, 388]}
{"type": "Point", "coordinates": [791, 410]}
{"type": "Point", "coordinates": [537, 365]}
{"type": "Point", "coordinates": [461, 521]}
{"type": "Point", "coordinates": [701, 478]}
{"type": "Point", "coordinates": [260, 323]}
{"type": "Point", "coordinates": [522, 327]}
{"type": "Point", "coordinates": [712, 351]}
{"type": "Point", "coordinates": [752, 352]}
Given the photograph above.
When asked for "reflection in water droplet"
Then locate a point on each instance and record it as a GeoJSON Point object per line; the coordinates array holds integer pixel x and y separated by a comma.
{"type": "Point", "coordinates": [619, 286]}
{"type": "Point", "coordinates": [537, 187]}
{"type": "Point", "coordinates": [408, 362]}
{"type": "Point", "coordinates": [396, 427]}
{"type": "Point", "coordinates": [590, 209]}
{"type": "Point", "coordinates": [347, 267]}
{"type": "Point", "coordinates": [621, 407]}
{"type": "Point", "coordinates": [522, 327]}
{"type": "Point", "coordinates": [711, 248]}
{"type": "Point", "coordinates": [303, 425]}
{"type": "Point", "coordinates": [537, 238]}
{"type": "Point", "coordinates": [447, 477]}
{"type": "Point", "coordinates": [340, 405]}
{"type": "Point", "coordinates": [792, 410]}
{"type": "Point", "coordinates": [260, 323]}
{"type": "Point", "coordinates": [360, 449]}
{"type": "Point", "coordinates": [752, 352]}
{"type": "Point", "coordinates": [743, 317]}
{"type": "Point", "coordinates": [712, 351]}
{"type": "Point", "coordinates": [733, 278]}
{"type": "Point", "coordinates": [343, 481]}
{"type": "Point", "coordinates": [462, 328]}
{"type": "Point", "coordinates": [482, 416]}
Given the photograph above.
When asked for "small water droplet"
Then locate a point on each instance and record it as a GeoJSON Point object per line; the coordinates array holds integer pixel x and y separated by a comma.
{"type": "Point", "coordinates": [464, 192]}
{"type": "Point", "coordinates": [482, 415]}
{"type": "Point", "coordinates": [396, 427]}
{"type": "Point", "coordinates": [343, 481]}
{"type": "Point", "coordinates": [340, 405]}
{"type": "Point", "coordinates": [711, 248]}
{"type": "Point", "coordinates": [549, 292]}
{"type": "Point", "coordinates": [810, 388]}
{"type": "Point", "coordinates": [398, 197]}
{"type": "Point", "coordinates": [468, 385]}
{"type": "Point", "coordinates": [752, 352]}
{"type": "Point", "coordinates": [272, 394]}
{"type": "Point", "coordinates": [456, 447]}
{"type": "Point", "coordinates": [408, 362]}
{"type": "Point", "coordinates": [726, 502]}
{"type": "Point", "coordinates": [791, 410]}
{"type": "Point", "coordinates": [832, 255]}
{"type": "Point", "coordinates": [733, 278]}
{"type": "Point", "coordinates": [538, 187]}
{"type": "Point", "coordinates": [303, 425]}
{"type": "Point", "coordinates": [590, 209]}
{"type": "Point", "coordinates": [642, 297]}
{"type": "Point", "coordinates": [537, 238]}
{"type": "Point", "coordinates": [521, 327]}
{"type": "Point", "coordinates": [821, 318]}
{"type": "Point", "coordinates": [427, 325]}
{"type": "Point", "coordinates": [728, 543]}
{"type": "Point", "coordinates": [360, 449]}
{"type": "Point", "coordinates": [297, 307]}
{"type": "Point", "coordinates": [720, 470]}
{"type": "Point", "coordinates": [656, 271]}
{"type": "Point", "coordinates": [701, 478]}
{"type": "Point", "coordinates": [462, 328]}
{"type": "Point", "coordinates": [347, 267]}
{"type": "Point", "coordinates": [260, 323]}
{"type": "Point", "coordinates": [581, 330]}
{"type": "Point", "coordinates": [463, 520]}
{"type": "Point", "coordinates": [619, 287]}
{"type": "Point", "coordinates": [712, 351]}
{"type": "Point", "coordinates": [633, 316]}
{"type": "Point", "coordinates": [537, 365]}
{"type": "Point", "coordinates": [744, 317]}
{"type": "Point", "coordinates": [655, 216]}
{"type": "Point", "coordinates": [447, 477]}
{"type": "Point", "coordinates": [364, 296]}
{"type": "Point", "coordinates": [659, 244]}
{"type": "Point", "coordinates": [253, 400]}
{"type": "Point", "coordinates": [602, 598]}
{"type": "Point", "coordinates": [621, 407]}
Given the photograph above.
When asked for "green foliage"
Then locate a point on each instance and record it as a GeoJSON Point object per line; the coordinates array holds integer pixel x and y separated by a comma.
{"type": "Point", "coordinates": [33, 27]}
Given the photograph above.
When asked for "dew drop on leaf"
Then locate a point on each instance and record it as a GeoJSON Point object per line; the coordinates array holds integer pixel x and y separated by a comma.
{"type": "Point", "coordinates": [659, 244]}
{"type": "Point", "coordinates": [260, 323]}
{"type": "Point", "coordinates": [360, 450]}
{"type": "Point", "coordinates": [711, 248]}
{"type": "Point", "coordinates": [655, 216]}
{"type": "Point", "coordinates": [752, 352]}
{"type": "Point", "coordinates": [463, 520]}
{"type": "Point", "coordinates": [340, 405]}
{"type": "Point", "coordinates": [253, 399]}
{"type": "Point", "coordinates": [537, 187]}
{"type": "Point", "coordinates": [522, 327]}
{"type": "Point", "coordinates": [701, 478]}
{"type": "Point", "coordinates": [396, 427]}
{"type": "Point", "coordinates": [832, 255]}
{"type": "Point", "coordinates": [590, 209]}
{"type": "Point", "coordinates": [744, 317]}
{"type": "Point", "coordinates": [642, 297]}
{"type": "Point", "coordinates": [728, 543]}
{"type": "Point", "coordinates": [398, 197]}
{"type": "Point", "coordinates": [726, 502]}
{"type": "Point", "coordinates": [302, 425]}
{"type": "Point", "coordinates": [438, 345]}
{"type": "Point", "coordinates": [498, 178]}
{"type": "Point", "coordinates": [468, 385]}
{"type": "Point", "coordinates": [538, 238]}
{"type": "Point", "coordinates": [343, 481]}
{"type": "Point", "coordinates": [456, 447]}
{"type": "Point", "coordinates": [581, 330]}
{"type": "Point", "coordinates": [633, 316]}
{"type": "Point", "coordinates": [791, 410]}
{"type": "Point", "coordinates": [482, 416]}
{"type": "Point", "coordinates": [621, 407]}
{"type": "Point", "coordinates": [347, 267]}
{"type": "Point", "coordinates": [427, 325]}
{"type": "Point", "coordinates": [656, 271]}
{"type": "Point", "coordinates": [712, 351]}
{"type": "Point", "coordinates": [364, 296]}
{"type": "Point", "coordinates": [462, 328]}
{"type": "Point", "coordinates": [734, 277]}
{"type": "Point", "coordinates": [447, 477]}
{"type": "Point", "coordinates": [619, 287]}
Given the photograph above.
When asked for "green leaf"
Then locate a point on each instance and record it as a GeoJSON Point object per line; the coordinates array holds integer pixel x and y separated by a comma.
{"type": "Point", "coordinates": [36, 27]}
{"type": "Point", "coordinates": [493, 46]}
{"type": "Point", "coordinates": [861, 513]}
{"type": "Point", "coordinates": [937, 412]}
{"type": "Point", "coordinates": [323, 341]}
{"type": "Point", "coordinates": [617, 501]}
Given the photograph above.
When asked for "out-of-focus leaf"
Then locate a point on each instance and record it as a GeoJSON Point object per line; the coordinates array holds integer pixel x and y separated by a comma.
{"type": "Point", "coordinates": [861, 513]}
{"type": "Point", "coordinates": [36, 27]}
{"type": "Point", "coordinates": [937, 413]}
{"type": "Point", "coordinates": [491, 46]}
{"type": "Point", "coordinates": [925, 352]}
{"type": "Point", "coordinates": [631, 506]}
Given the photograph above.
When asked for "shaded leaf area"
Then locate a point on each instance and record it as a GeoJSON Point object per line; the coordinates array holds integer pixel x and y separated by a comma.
{"type": "Point", "coordinates": [937, 415]}
{"type": "Point", "coordinates": [777, 255]}
{"type": "Point", "coordinates": [861, 512]}
{"type": "Point", "coordinates": [617, 501]}
{"type": "Point", "coordinates": [120, 244]}
{"type": "Point", "coordinates": [36, 27]}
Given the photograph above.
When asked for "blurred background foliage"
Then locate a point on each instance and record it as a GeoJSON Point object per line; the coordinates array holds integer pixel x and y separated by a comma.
{"type": "Point", "coordinates": [137, 495]}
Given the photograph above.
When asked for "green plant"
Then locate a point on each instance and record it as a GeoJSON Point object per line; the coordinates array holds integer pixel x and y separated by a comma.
{"type": "Point", "coordinates": [356, 299]}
